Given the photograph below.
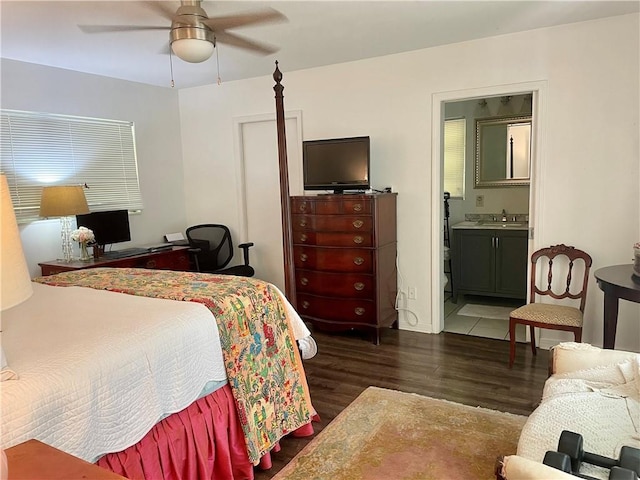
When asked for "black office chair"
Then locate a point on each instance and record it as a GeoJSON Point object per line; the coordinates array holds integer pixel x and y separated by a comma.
{"type": "Point", "coordinates": [212, 250]}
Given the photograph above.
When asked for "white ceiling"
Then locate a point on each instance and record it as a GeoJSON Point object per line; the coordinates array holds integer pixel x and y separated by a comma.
{"type": "Point", "coordinates": [317, 33]}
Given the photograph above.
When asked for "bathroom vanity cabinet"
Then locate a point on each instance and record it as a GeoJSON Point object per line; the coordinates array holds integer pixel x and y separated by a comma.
{"type": "Point", "coordinates": [491, 262]}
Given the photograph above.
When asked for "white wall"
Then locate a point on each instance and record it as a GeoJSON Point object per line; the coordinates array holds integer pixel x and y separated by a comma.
{"type": "Point", "coordinates": [589, 170]}
{"type": "Point", "coordinates": [154, 111]}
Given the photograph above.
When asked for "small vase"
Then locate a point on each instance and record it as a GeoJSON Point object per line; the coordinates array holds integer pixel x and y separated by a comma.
{"type": "Point", "coordinates": [84, 253]}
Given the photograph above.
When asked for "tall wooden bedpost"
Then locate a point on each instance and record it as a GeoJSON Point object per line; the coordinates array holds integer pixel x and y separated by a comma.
{"type": "Point", "coordinates": [285, 200]}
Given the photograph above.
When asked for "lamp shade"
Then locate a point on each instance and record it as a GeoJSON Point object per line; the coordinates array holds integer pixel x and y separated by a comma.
{"type": "Point", "coordinates": [16, 282]}
{"type": "Point", "coordinates": [63, 201]}
{"type": "Point", "coordinates": [192, 50]}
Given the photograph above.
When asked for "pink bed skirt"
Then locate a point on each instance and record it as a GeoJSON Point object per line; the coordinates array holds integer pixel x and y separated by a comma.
{"type": "Point", "coordinates": [203, 441]}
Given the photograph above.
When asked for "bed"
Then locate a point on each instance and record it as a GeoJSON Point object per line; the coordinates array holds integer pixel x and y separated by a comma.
{"type": "Point", "coordinates": [156, 374]}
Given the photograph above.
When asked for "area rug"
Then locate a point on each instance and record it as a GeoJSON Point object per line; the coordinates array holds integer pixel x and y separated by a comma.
{"type": "Point", "coordinates": [386, 434]}
{"type": "Point", "coordinates": [485, 311]}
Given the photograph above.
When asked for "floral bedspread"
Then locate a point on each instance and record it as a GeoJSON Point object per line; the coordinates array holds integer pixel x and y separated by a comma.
{"type": "Point", "coordinates": [261, 359]}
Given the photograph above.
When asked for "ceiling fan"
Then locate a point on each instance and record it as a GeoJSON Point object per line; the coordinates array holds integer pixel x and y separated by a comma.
{"type": "Point", "coordinates": [193, 35]}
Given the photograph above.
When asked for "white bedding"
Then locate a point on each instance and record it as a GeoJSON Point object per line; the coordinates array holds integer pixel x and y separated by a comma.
{"type": "Point", "coordinates": [98, 369]}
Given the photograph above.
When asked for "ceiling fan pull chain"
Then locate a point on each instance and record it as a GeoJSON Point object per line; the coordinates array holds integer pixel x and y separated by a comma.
{"type": "Point", "coordinates": [171, 67]}
{"type": "Point", "coordinates": [217, 60]}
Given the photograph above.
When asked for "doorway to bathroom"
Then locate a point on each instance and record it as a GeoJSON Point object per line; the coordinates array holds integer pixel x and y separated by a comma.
{"type": "Point", "coordinates": [472, 200]}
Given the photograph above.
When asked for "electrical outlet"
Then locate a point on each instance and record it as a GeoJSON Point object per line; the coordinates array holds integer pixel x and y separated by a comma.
{"type": "Point", "coordinates": [412, 293]}
{"type": "Point", "coordinates": [479, 200]}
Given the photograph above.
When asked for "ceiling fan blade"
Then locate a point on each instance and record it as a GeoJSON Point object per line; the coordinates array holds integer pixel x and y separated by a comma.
{"type": "Point", "coordinates": [244, 19]}
{"type": "Point", "coordinates": [241, 42]}
{"type": "Point", "coordinates": [118, 28]}
{"type": "Point", "coordinates": [162, 9]}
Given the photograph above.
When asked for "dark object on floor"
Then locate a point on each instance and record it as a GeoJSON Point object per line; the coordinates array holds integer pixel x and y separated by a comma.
{"type": "Point", "coordinates": [212, 250]}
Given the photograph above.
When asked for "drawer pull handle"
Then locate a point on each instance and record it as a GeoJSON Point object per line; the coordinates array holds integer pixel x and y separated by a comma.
{"type": "Point", "coordinates": [304, 257]}
{"type": "Point", "coordinates": [303, 207]}
{"type": "Point", "coordinates": [358, 223]}
{"type": "Point", "coordinates": [303, 237]}
{"type": "Point", "coordinates": [303, 223]}
{"type": "Point", "coordinates": [304, 281]}
{"type": "Point", "coordinates": [150, 264]}
{"type": "Point", "coordinates": [358, 239]}
{"type": "Point", "coordinates": [359, 286]}
{"type": "Point", "coordinates": [358, 260]}
{"type": "Point", "coordinates": [357, 207]}
{"type": "Point", "coordinates": [305, 304]}
{"type": "Point", "coordinates": [359, 311]}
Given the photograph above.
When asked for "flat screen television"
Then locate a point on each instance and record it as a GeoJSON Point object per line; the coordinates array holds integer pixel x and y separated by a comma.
{"type": "Point", "coordinates": [108, 227]}
{"type": "Point", "coordinates": [336, 164]}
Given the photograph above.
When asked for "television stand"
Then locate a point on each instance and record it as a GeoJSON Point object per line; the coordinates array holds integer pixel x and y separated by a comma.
{"type": "Point", "coordinates": [344, 249]}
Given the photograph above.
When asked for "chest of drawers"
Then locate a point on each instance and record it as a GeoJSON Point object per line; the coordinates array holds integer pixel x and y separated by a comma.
{"type": "Point", "coordinates": [344, 250]}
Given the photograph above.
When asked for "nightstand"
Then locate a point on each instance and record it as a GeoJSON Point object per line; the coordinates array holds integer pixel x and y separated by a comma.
{"type": "Point", "coordinates": [36, 460]}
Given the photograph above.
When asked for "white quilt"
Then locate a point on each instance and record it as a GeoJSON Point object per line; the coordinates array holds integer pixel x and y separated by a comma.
{"type": "Point", "coordinates": [98, 369]}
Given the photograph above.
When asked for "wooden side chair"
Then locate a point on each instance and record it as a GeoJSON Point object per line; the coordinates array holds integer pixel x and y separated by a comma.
{"type": "Point", "coordinates": [553, 316]}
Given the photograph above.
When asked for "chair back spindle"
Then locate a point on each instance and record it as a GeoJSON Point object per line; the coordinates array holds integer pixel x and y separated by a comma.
{"type": "Point", "coordinates": [555, 254]}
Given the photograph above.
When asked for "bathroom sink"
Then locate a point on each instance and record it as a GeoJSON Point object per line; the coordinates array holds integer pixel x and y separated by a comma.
{"type": "Point", "coordinates": [502, 224]}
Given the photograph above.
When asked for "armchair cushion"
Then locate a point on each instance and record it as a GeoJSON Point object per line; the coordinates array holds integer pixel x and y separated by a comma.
{"type": "Point", "coordinates": [515, 467]}
{"type": "Point", "coordinates": [571, 356]}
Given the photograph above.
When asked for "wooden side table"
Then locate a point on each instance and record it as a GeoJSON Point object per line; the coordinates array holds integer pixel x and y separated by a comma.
{"type": "Point", "coordinates": [36, 460]}
{"type": "Point", "coordinates": [616, 282]}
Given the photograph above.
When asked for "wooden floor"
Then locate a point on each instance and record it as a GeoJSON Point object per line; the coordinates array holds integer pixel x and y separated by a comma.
{"type": "Point", "coordinates": [460, 368]}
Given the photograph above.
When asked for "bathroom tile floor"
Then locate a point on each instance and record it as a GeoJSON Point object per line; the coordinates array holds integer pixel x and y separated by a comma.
{"type": "Point", "coordinates": [478, 326]}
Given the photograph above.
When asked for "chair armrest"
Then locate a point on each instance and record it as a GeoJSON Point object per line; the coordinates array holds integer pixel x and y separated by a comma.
{"type": "Point", "coordinates": [245, 251]}
{"type": "Point", "coordinates": [515, 467]}
{"type": "Point", "coordinates": [571, 356]}
{"type": "Point", "coordinates": [194, 254]}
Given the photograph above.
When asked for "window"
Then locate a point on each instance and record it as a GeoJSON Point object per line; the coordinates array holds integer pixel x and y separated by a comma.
{"type": "Point", "coordinates": [454, 156]}
{"type": "Point", "coordinates": [40, 149]}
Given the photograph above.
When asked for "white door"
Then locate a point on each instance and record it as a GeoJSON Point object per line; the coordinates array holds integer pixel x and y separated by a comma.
{"type": "Point", "coordinates": [259, 171]}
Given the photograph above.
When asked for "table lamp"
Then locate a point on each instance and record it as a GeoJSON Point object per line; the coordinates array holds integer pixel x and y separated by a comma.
{"type": "Point", "coordinates": [64, 201]}
{"type": "Point", "coordinates": [16, 282]}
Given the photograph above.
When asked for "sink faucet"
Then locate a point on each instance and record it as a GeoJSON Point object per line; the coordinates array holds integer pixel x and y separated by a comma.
{"type": "Point", "coordinates": [504, 215]}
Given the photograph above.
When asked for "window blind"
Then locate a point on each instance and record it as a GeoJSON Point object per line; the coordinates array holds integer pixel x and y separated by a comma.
{"type": "Point", "coordinates": [42, 149]}
{"type": "Point", "coordinates": [454, 156]}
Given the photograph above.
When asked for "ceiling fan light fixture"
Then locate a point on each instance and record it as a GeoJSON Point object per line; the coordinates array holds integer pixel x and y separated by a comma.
{"type": "Point", "coordinates": [192, 50]}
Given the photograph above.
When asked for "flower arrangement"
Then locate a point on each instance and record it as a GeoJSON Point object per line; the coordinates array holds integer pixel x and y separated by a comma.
{"type": "Point", "coordinates": [636, 259]}
{"type": "Point", "coordinates": [83, 236]}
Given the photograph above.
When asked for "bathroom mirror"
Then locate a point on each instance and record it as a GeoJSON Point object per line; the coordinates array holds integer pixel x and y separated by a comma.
{"type": "Point", "coordinates": [503, 151]}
